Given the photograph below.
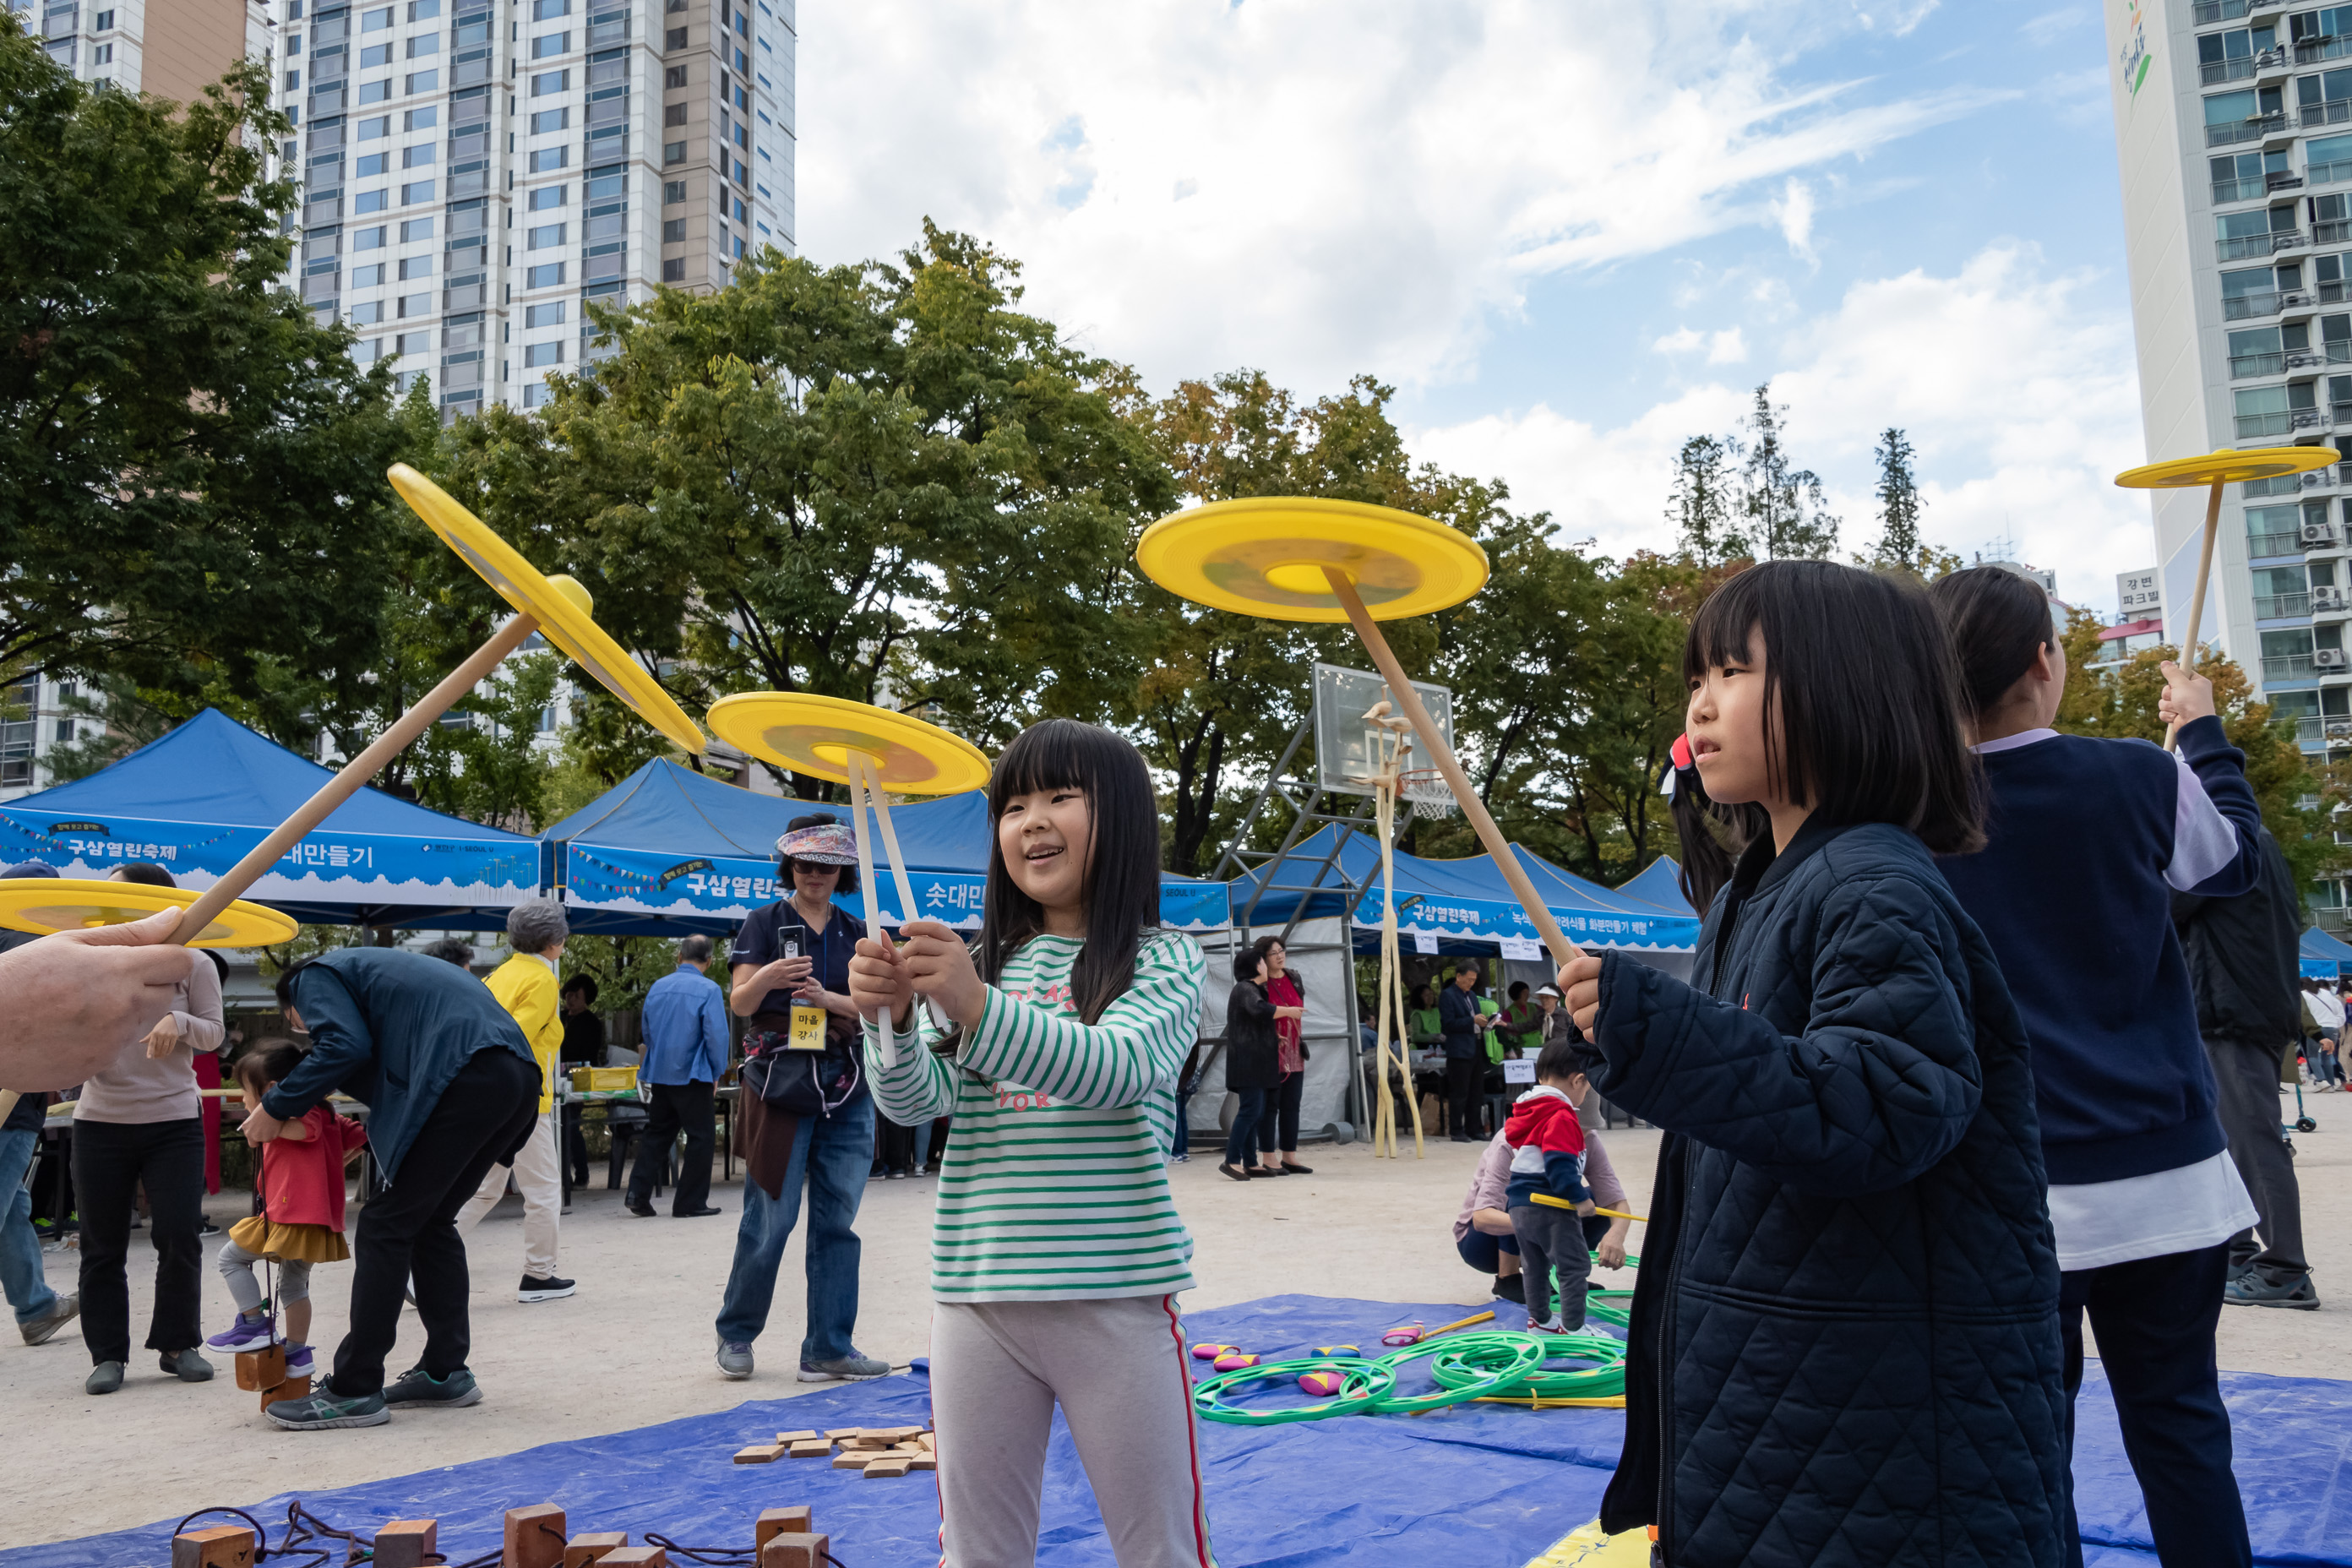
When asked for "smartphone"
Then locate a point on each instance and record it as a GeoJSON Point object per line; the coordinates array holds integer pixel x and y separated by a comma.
{"type": "Point", "coordinates": [788, 947]}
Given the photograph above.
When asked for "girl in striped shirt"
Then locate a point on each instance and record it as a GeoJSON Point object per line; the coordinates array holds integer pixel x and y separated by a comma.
{"type": "Point", "coordinates": [1056, 1250]}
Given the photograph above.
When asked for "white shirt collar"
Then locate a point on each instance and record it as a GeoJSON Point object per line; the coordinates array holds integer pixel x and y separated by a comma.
{"type": "Point", "coordinates": [544, 959]}
{"type": "Point", "coordinates": [2012, 743]}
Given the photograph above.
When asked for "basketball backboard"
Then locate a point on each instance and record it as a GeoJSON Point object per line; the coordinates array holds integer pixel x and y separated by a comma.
{"type": "Point", "coordinates": [1347, 746]}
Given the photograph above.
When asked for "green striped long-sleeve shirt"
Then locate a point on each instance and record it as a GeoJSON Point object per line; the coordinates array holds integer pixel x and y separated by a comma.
{"type": "Point", "coordinates": [1054, 1186]}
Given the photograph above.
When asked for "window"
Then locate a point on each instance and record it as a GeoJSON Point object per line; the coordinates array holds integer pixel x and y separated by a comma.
{"type": "Point", "coordinates": [545, 276]}
{"type": "Point", "coordinates": [535, 395]}
{"type": "Point", "coordinates": [538, 354]}
{"type": "Point", "coordinates": [375, 21]}
{"type": "Point", "coordinates": [416, 267]}
{"type": "Point", "coordinates": [742, 213]}
{"type": "Point", "coordinates": [674, 77]}
{"type": "Point", "coordinates": [548, 158]}
{"type": "Point", "coordinates": [415, 190]}
{"type": "Point", "coordinates": [411, 157]}
{"type": "Point", "coordinates": [673, 231]}
{"type": "Point", "coordinates": [379, 127]}
{"type": "Point", "coordinates": [742, 61]}
{"type": "Point", "coordinates": [367, 315]}
{"type": "Point", "coordinates": [368, 201]}
{"type": "Point", "coordinates": [293, 43]}
{"type": "Point", "coordinates": [424, 44]}
{"type": "Point", "coordinates": [369, 239]}
{"type": "Point", "coordinates": [675, 38]}
{"type": "Point", "coordinates": [375, 55]}
{"type": "Point", "coordinates": [673, 114]}
{"type": "Point", "coordinates": [543, 315]}
{"type": "Point", "coordinates": [415, 305]}
{"type": "Point", "coordinates": [605, 183]}
{"type": "Point", "coordinates": [547, 44]}
{"type": "Point", "coordinates": [2287, 655]}
{"type": "Point", "coordinates": [672, 152]}
{"type": "Point", "coordinates": [545, 236]}
{"type": "Point", "coordinates": [294, 10]}
{"type": "Point", "coordinates": [371, 164]}
{"type": "Point", "coordinates": [293, 82]}
{"type": "Point", "coordinates": [422, 81]}
{"type": "Point", "coordinates": [421, 119]}
{"type": "Point", "coordinates": [548, 196]}
{"type": "Point", "coordinates": [375, 91]}
{"type": "Point", "coordinates": [2258, 350]}
{"type": "Point", "coordinates": [673, 270]}
{"type": "Point", "coordinates": [549, 81]}
{"type": "Point", "coordinates": [414, 343]}
{"type": "Point", "coordinates": [541, 10]}
{"type": "Point", "coordinates": [550, 120]}
{"type": "Point", "coordinates": [2261, 411]}
{"type": "Point", "coordinates": [101, 21]}
{"type": "Point", "coordinates": [103, 54]}
{"type": "Point", "coordinates": [367, 277]}
{"type": "Point", "coordinates": [415, 228]}
{"type": "Point", "coordinates": [2329, 159]}
{"type": "Point", "coordinates": [418, 10]}
{"type": "Point", "coordinates": [673, 192]}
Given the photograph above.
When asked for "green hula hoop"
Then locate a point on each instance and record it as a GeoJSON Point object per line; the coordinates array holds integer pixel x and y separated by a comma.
{"type": "Point", "coordinates": [1476, 1356]}
{"type": "Point", "coordinates": [1610, 1306]}
{"type": "Point", "coordinates": [1528, 1356]}
{"type": "Point", "coordinates": [1366, 1383]}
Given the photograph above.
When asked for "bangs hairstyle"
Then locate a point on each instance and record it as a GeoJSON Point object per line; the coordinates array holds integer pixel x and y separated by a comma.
{"type": "Point", "coordinates": [1998, 621]}
{"type": "Point", "coordinates": [266, 1062]}
{"type": "Point", "coordinates": [1862, 712]}
{"type": "Point", "coordinates": [1123, 878]}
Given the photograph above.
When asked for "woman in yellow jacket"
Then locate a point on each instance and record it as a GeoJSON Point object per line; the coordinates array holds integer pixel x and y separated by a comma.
{"type": "Point", "coordinates": [525, 986]}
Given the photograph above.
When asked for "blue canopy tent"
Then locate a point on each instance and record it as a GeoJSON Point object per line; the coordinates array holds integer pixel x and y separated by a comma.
{"type": "Point", "coordinates": [669, 850]}
{"type": "Point", "coordinates": [196, 800]}
{"type": "Point", "coordinates": [2324, 957]}
{"type": "Point", "coordinates": [1659, 883]}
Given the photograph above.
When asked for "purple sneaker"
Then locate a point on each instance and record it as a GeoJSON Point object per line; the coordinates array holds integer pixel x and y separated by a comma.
{"type": "Point", "coordinates": [298, 1362]}
{"type": "Point", "coordinates": [243, 1334]}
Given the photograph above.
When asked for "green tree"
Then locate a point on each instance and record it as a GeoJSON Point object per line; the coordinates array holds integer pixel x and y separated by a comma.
{"type": "Point", "coordinates": [1898, 499]}
{"type": "Point", "coordinates": [1780, 505]}
{"type": "Point", "coordinates": [1703, 506]}
{"type": "Point", "coordinates": [192, 491]}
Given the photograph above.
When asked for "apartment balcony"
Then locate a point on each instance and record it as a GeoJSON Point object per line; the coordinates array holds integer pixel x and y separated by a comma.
{"type": "Point", "coordinates": [2242, 366]}
{"type": "Point", "coordinates": [2280, 606]}
{"type": "Point", "coordinates": [2247, 307]}
{"type": "Point", "coordinates": [2333, 173]}
{"type": "Point", "coordinates": [2256, 245]}
{"type": "Point", "coordinates": [2259, 545]}
{"type": "Point", "coordinates": [2206, 11]}
{"type": "Point", "coordinates": [2253, 129]}
{"type": "Point", "coordinates": [2335, 112]}
{"type": "Point", "coordinates": [2287, 667]}
{"type": "Point", "coordinates": [2311, 51]}
{"type": "Point", "coordinates": [2276, 423]}
{"type": "Point", "coordinates": [2226, 192]}
{"type": "Point", "coordinates": [2245, 68]}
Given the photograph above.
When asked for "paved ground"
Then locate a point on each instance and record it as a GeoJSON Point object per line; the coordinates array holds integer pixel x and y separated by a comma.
{"type": "Point", "coordinates": [634, 1347]}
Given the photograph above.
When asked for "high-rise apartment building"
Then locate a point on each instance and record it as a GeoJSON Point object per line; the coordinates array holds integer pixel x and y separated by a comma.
{"type": "Point", "coordinates": [172, 49]}
{"type": "Point", "coordinates": [475, 171]}
{"type": "Point", "coordinates": [2233, 126]}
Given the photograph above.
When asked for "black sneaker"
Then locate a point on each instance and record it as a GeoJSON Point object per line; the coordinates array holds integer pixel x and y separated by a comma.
{"type": "Point", "coordinates": [548, 1289]}
{"type": "Point", "coordinates": [325, 1412]}
{"type": "Point", "coordinates": [419, 1387]}
{"type": "Point", "coordinates": [1513, 1288]}
{"type": "Point", "coordinates": [2250, 1290]}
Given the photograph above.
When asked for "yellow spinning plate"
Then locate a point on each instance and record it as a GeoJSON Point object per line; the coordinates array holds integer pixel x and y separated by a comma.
{"type": "Point", "coordinates": [2226, 466]}
{"type": "Point", "coordinates": [816, 735]}
{"type": "Point", "coordinates": [1264, 556]}
{"type": "Point", "coordinates": [44, 905]}
{"type": "Point", "coordinates": [558, 604]}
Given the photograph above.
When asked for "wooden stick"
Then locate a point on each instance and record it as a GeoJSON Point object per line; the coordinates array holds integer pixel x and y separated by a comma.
{"type": "Point", "coordinates": [906, 910]}
{"type": "Point", "coordinates": [1442, 755]}
{"type": "Point", "coordinates": [882, 1020]}
{"type": "Point", "coordinates": [2197, 599]}
{"type": "Point", "coordinates": [354, 774]}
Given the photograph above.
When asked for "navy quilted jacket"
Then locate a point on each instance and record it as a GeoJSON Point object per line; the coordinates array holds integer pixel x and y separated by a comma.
{"type": "Point", "coordinates": [1844, 1330]}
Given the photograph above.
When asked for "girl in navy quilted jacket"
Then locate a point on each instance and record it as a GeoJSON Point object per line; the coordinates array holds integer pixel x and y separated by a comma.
{"type": "Point", "coordinates": [1845, 1344]}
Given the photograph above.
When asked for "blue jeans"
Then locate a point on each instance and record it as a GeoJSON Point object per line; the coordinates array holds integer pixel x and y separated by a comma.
{"type": "Point", "coordinates": [20, 1249]}
{"type": "Point", "coordinates": [1241, 1138]}
{"type": "Point", "coordinates": [830, 1156]}
{"type": "Point", "coordinates": [1181, 1142]}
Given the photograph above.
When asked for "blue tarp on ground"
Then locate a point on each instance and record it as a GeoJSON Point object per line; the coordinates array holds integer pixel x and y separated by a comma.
{"type": "Point", "coordinates": [669, 850]}
{"type": "Point", "coordinates": [1476, 1487]}
{"type": "Point", "coordinates": [198, 799]}
{"type": "Point", "coordinates": [1458, 904]}
{"type": "Point", "coordinates": [2324, 957]}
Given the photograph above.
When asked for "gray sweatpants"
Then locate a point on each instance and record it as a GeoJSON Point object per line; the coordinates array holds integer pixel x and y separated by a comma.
{"type": "Point", "coordinates": [235, 1266]}
{"type": "Point", "coordinates": [1551, 1239]}
{"type": "Point", "coordinates": [1119, 1371]}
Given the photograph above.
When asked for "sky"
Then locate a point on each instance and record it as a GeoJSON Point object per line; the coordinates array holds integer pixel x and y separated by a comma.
{"type": "Point", "coordinates": [1569, 234]}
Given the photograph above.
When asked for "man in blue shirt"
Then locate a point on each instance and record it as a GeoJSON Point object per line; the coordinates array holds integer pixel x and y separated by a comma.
{"type": "Point", "coordinates": [686, 1051]}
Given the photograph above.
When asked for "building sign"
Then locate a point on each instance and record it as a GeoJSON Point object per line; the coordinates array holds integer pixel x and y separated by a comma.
{"type": "Point", "coordinates": [2135, 57]}
{"type": "Point", "coordinates": [2140, 594]}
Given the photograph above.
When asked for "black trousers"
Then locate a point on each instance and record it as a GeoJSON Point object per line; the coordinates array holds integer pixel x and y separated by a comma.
{"type": "Point", "coordinates": [1280, 1120]}
{"type": "Point", "coordinates": [2249, 1079]}
{"type": "Point", "coordinates": [671, 1107]}
{"type": "Point", "coordinates": [2154, 1318]}
{"type": "Point", "coordinates": [575, 1146]}
{"type": "Point", "coordinates": [110, 1159]}
{"type": "Point", "coordinates": [408, 1232]}
{"type": "Point", "coordinates": [1464, 1075]}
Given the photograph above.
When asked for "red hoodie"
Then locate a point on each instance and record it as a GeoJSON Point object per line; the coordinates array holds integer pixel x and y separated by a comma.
{"type": "Point", "coordinates": [1547, 1147]}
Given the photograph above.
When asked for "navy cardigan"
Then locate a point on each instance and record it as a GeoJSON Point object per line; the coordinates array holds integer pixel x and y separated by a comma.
{"type": "Point", "coordinates": [1844, 1342]}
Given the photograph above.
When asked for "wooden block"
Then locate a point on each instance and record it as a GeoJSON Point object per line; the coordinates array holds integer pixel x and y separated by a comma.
{"type": "Point", "coordinates": [904, 1433]}
{"type": "Point", "coordinates": [837, 1433]}
{"type": "Point", "coordinates": [925, 1461]}
{"type": "Point", "coordinates": [894, 1467]}
{"type": "Point", "coordinates": [534, 1537]}
{"type": "Point", "coordinates": [760, 1454]}
{"type": "Point", "coordinates": [794, 1550]}
{"type": "Point", "coordinates": [815, 1448]}
{"type": "Point", "coordinates": [776, 1521]}
{"type": "Point", "coordinates": [931, 1441]}
{"type": "Point", "coordinates": [257, 1370]}
{"type": "Point", "coordinates": [635, 1557]}
{"type": "Point", "coordinates": [851, 1459]}
{"type": "Point", "coordinates": [583, 1550]}
{"type": "Point", "coordinates": [406, 1543]}
{"type": "Point", "coordinates": [221, 1546]}
{"type": "Point", "coordinates": [294, 1388]}
{"type": "Point", "coordinates": [797, 1436]}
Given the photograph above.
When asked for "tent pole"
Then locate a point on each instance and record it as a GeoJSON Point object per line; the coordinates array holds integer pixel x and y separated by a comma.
{"type": "Point", "coordinates": [355, 773]}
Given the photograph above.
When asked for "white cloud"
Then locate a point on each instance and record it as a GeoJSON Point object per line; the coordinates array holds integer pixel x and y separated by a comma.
{"type": "Point", "coordinates": [1316, 188]}
{"type": "Point", "coordinates": [1727, 347]}
{"type": "Point", "coordinates": [2015, 384]}
{"type": "Point", "coordinates": [1794, 212]}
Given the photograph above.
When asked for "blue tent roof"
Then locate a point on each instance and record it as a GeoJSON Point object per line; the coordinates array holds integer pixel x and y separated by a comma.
{"type": "Point", "coordinates": [2324, 957]}
{"type": "Point", "coordinates": [1462, 901]}
{"type": "Point", "coordinates": [1659, 883]}
{"type": "Point", "coordinates": [197, 799]}
{"type": "Point", "coordinates": [669, 849]}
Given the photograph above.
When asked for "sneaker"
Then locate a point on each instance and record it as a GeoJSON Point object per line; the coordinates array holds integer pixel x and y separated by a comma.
{"type": "Point", "coordinates": [45, 1327]}
{"type": "Point", "coordinates": [851, 1368]}
{"type": "Point", "coordinates": [1514, 1289]}
{"type": "Point", "coordinates": [186, 1365]}
{"type": "Point", "coordinates": [325, 1412]}
{"type": "Point", "coordinates": [208, 1228]}
{"type": "Point", "coordinates": [243, 1333]}
{"type": "Point", "coordinates": [2250, 1290]}
{"type": "Point", "coordinates": [104, 1378]}
{"type": "Point", "coordinates": [548, 1289]}
{"type": "Point", "coordinates": [1183, 1159]}
{"type": "Point", "coordinates": [419, 1387]}
{"type": "Point", "coordinates": [734, 1360]}
{"type": "Point", "coordinates": [895, 1177]}
{"type": "Point", "coordinates": [300, 1361]}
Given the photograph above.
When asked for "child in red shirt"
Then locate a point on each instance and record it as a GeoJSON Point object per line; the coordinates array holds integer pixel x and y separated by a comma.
{"type": "Point", "coordinates": [301, 1217]}
{"type": "Point", "coordinates": [1546, 1145]}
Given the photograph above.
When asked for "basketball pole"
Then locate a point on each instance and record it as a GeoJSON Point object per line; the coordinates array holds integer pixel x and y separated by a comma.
{"type": "Point", "coordinates": [1367, 630]}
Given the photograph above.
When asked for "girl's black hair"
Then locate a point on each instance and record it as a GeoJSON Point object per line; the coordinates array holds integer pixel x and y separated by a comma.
{"type": "Point", "coordinates": [1998, 621]}
{"type": "Point", "coordinates": [1123, 881]}
{"type": "Point", "coordinates": [786, 864]}
{"type": "Point", "coordinates": [1862, 712]}
{"type": "Point", "coordinates": [266, 1062]}
{"type": "Point", "coordinates": [145, 871]}
{"type": "Point", "coordinates": [1246, 961]}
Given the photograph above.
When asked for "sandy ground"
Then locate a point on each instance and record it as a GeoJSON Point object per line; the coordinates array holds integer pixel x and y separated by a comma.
{"type": "Point", "coordinates": [634, 1347]}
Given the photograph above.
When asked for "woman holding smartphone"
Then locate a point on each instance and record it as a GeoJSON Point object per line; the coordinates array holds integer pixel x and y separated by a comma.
{"type": "Point", "coordinates": [792, 957]}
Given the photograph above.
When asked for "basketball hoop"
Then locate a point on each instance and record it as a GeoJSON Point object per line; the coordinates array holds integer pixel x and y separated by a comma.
{"type": "Point", "coordinates": [1424, 789]}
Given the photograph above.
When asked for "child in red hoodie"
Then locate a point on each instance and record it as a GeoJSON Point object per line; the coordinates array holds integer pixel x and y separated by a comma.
{"type": "Point", "coordinates": [1547, 1145]}
{"type": "Point", "coordinates": [301, 1217]}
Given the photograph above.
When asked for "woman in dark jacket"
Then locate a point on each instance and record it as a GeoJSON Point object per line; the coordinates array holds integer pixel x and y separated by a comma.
{"type": "Point", "coordinates": [1845, 1344]}
{"type": "Point", "coordinates": [1253, 1065]}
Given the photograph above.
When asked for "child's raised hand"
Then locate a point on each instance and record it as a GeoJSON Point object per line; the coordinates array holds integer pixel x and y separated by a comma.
{"type": "Point", "coordinates": [878, 980]}
{"type": "Point", "coordinates": [2186, 695]}
{"type": "Point", "coordinates": [1580, 990]}
{"type": "Point", "coordinates": [941, 969]}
